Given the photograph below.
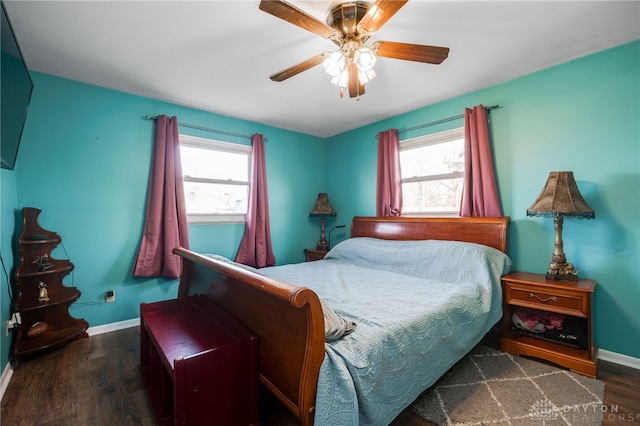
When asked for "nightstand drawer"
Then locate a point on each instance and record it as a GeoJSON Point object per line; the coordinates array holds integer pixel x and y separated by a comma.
{"type": "Point", "coordinates": [556, 300]}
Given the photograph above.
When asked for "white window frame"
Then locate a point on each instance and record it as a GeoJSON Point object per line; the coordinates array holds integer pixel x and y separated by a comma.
{"type": "Point", "coordinates": [215, 145]}
{"type": "Point", "coordinates": [426, 140]}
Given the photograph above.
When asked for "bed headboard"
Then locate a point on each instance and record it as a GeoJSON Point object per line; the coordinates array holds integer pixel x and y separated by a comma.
{"type": "Point", "coordinates": [490, 231]}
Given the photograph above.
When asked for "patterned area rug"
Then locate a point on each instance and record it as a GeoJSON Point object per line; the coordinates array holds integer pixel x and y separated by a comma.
{"type": "Point", "coordinates": [490, 387]}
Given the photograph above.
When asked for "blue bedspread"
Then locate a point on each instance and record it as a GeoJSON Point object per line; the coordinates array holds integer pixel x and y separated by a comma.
{"type": "Point", "coordinates": [419, 306]}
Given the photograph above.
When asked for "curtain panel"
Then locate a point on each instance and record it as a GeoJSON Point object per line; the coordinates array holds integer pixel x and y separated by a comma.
{"type": "Point", "coordinates": [480, 192]}
{"type": "Point", "coordinates": [389, 178]}
{"type": "Point", "coordinates": [165, 225]}
{"type": "Point", "coordinates": [255, 248]}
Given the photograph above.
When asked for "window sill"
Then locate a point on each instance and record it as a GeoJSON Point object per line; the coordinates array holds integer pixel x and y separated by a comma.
{"type": "Point", "coordinates": [206, 219]}
{"type": "Point", "coordinates": [431, 214]}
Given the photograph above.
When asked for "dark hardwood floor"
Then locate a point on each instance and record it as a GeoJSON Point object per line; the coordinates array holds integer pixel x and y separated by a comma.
{"type": "Point", "coordinates": [95, 381]}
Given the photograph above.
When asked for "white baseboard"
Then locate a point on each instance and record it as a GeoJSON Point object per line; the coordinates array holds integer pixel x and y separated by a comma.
{"type": "Point", "coordinates": [114, 326]}
{"type": "Point", "coordinates": [5, 379]}
{"type": "Point", "coordinates": [616, 358]}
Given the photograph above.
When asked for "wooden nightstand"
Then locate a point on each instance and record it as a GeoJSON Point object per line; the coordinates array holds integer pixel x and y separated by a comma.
{"type": "Point", "coordinates": [574, 298]}
{"type": "Point", "coordinates": [314, 254]}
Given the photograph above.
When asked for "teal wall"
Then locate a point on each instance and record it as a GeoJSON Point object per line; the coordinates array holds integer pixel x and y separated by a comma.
{"type": "Point", "coordinates": [85, 155]}
{"type": "Point", "coordinates": [582, 116]}
{"type": "Point", "coordinates": [84, 161]}
{"type": "Point", "coordinates": [8, 202]}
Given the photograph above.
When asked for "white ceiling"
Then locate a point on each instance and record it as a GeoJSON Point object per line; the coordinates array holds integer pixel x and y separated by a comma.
{"type": "Point", "coordinates": [217, 55]}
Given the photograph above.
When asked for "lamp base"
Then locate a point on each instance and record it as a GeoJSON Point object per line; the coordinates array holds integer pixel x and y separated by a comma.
{"type": "Point", "coordinates": [322, 245]}
{"type": "Point", "coordinates": [562, 277]}
{"type": "Point", "coordinates": [562, 271]}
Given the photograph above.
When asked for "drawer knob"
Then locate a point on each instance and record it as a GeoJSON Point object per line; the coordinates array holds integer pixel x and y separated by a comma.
{"type": "Point", "coordinates": [552, 298]}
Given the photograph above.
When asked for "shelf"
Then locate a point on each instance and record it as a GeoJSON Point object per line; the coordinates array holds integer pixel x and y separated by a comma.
{"type": "Point", "coordinates": [61, 270]}
{"type": "Point", "coordinates": [545, 345]}
{"type": "Point", "coordinates": [72, 296]}
{"type": "Point", "coordinates": [155, 397]}
{"type": "Point", "coordinates": [28, 242]}
{"type": "Point", "coordinates": [50, 338]}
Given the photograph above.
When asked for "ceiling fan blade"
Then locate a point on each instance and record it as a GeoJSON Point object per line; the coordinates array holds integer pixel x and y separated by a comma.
{"type": "Point", "coordinates": [287, 12]}
{"type": "Point", "coordinates": [355, 88]}
{"type": "Point", "coordinates": [410, 52]}
{"type": "Point", "coordinates": [379, 13]}
{"type": "Point", "coordinates": [298, 68]}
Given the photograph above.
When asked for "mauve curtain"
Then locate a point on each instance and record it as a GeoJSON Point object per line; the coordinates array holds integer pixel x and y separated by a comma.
{"type": "Point", "coordinates": [480, 192]}
{"type": "Point", "coordinates": [255, 248]}
{"type": "Point", "coordinates": [165, 225]}
{"type": "Point", "coordinates": [389, 179]}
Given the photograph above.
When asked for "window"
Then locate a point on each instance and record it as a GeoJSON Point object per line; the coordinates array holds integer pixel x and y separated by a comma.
{"type": "Point", "coordinates": [216, 179]}
{"type": "Point", "coordinates": [432, 169]}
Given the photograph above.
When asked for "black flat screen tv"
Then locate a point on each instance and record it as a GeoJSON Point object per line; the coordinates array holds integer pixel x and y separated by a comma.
{"type": "Point", "coordinates": [16, 94]}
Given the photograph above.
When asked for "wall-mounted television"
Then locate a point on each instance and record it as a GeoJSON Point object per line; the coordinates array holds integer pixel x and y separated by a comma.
{"type": "Point", "coordinates": [16, 94]}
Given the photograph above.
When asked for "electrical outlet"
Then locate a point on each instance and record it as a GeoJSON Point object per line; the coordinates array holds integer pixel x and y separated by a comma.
{"type": "Point", "coordinates": [110, 296]}
{"type": "Point", "coordinates": [13, 322]}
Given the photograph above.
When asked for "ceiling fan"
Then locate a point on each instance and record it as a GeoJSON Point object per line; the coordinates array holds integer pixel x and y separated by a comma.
{"type": "Point", "coordinates": [349, 25]}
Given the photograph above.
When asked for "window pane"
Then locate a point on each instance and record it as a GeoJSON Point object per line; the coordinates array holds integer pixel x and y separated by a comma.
{"type": "Point", "coordinates": [214, 164]}
{"type": "Point", "coordinates": [432, 196]}
{"type": "Point", "coordinates": [202, 198]}
{"type": "Point", "coordinates": [434, 159]}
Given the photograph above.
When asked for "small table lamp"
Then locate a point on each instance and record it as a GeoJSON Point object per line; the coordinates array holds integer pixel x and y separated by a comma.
{"type": "Point", "coordinates": [560, 197]}
{"type": "Point", "coordinates": [322, 208]}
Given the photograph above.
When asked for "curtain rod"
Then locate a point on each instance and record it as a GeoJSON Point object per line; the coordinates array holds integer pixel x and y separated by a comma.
{"type": "Point", "coordinates": [206, 129]}
{"type": "Point", "coordinates": [443, 120]}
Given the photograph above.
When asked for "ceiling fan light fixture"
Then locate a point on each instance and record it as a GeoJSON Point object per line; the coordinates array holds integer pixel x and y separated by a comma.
{"type": "Point", "coordinates": [341, 79]}
{"type": "Point", "coordinates": [366, 76]}
{"type": "Point", "coordinates": [334, 64]}
{"type": "Point", "coordinates": [365, 59]}
{"type": "Point", "coordinates": [349, 25]}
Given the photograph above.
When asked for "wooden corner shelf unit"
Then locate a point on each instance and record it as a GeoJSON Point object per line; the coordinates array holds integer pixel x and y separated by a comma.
{"type": "Point", "coordinates": [573, 298]}
{"type": "Point", "coordinates": [42, 299]}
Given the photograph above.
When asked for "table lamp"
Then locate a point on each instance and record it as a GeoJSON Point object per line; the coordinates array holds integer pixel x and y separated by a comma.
{"type": "Point", "coordinates": [322, 208]}
{"type": "Point", "coordinates": [560, 198]}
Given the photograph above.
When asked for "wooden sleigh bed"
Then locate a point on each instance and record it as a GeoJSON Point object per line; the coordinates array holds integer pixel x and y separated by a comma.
{"type": "Point", "coordinates": [288, 319]}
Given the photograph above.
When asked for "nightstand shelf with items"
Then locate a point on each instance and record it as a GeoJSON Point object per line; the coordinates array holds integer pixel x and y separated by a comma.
{"type": "Point", "coordinates": [563, 311]}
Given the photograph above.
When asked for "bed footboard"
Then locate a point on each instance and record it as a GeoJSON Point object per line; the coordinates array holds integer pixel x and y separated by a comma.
{"type": "Point", "coordinates": [287, 319]}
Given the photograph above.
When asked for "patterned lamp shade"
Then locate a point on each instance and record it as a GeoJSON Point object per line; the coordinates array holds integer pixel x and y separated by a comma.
{"type": "Point", "coordinates": [322, 206]}
{"type": "Point", "coordinates": [560, 196]}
